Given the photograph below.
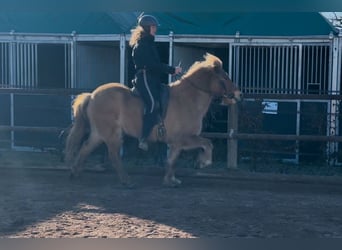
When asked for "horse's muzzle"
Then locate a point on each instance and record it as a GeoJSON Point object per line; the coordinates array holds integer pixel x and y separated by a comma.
{"type": "Point", "coordinates": [232, 98]}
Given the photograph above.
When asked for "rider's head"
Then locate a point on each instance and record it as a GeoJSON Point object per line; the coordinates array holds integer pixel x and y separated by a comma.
{"type": "Point", "coordinates": [148, 23]}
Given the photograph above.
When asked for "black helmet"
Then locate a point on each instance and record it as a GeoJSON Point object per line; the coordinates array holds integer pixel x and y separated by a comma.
{"type": "Point", "coordinates": [147, 20]}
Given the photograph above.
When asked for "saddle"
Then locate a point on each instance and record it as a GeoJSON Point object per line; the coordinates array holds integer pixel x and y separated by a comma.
{"type": "Point", "coordinates": [162, 107]}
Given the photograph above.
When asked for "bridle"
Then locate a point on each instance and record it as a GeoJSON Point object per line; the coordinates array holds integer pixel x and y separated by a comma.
{"type": "Point", "coordinates": [207, 91]}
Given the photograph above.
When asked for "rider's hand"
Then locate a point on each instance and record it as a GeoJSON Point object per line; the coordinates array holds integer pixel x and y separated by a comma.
{"type": "Point", "coordinates": [178, 70]}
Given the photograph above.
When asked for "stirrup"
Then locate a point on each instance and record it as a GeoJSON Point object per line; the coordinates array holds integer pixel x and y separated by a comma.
{"type": "Point", "coordinates": [143, 144]}
{"type": "Point", "coordinates": [161, 131]}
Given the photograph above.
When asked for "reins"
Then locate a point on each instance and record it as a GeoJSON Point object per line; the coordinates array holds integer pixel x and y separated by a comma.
{"type": "Point", "coordinates": [207, 91]}
{"type": "Point", "coordinates": [197, 87]}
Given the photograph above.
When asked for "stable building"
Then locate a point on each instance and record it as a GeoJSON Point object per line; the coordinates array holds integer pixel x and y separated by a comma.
{"type": "Point", "coordinates": [271, 56]}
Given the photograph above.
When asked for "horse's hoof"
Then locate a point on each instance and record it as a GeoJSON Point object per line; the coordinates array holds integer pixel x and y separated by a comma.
{"type": "Point", "coordinates": [172, 183]}
{"type": "Point", "coordinates": [74, 176]}
{"type": "Point", "coordinates": [129, 185]}
{"type": "Point", "coordinates": [204, 164]}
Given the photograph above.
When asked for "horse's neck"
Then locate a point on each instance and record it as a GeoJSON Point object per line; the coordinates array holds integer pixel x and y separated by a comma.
{"type": "Point", "coordinates": [194, 99]}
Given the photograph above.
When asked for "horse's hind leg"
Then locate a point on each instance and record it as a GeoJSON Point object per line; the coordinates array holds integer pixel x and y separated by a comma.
{"type": "Point", "coordinates": [87, 147]}
{"type": "Point", "coordinates": [114, 146]}
{"type": "Point", "coordinates": [169, 179]}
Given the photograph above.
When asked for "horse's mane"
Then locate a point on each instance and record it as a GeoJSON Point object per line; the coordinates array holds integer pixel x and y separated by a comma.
{"type": "Point", "coordinates": [209, 62]}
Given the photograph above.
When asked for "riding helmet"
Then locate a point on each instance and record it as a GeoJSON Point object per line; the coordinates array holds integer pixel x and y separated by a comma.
{"type": "Point", "coordinates": [147, 20]}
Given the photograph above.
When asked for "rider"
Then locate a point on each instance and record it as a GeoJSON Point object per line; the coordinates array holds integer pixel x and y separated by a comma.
{"type": "Point", "coordinates": [149, 69]}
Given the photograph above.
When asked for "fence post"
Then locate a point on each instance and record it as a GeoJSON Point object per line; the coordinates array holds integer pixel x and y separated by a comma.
{"type": "Point", "coordinates": [334, 105]}
{"type": "Point", "coordinates": [232, 144]}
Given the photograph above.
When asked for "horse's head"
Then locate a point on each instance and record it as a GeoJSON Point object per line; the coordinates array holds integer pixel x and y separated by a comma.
{"type": "Point", "coordinates": [221, 86]}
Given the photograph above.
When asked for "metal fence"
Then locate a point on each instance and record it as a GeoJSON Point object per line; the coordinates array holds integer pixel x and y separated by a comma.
{"type": "Point", "coordinates": [270, 69]}
{"type": "Point", "coordinates": [282, 68]}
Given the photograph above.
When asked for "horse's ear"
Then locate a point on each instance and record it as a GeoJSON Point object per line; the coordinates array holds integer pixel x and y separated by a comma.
{"type": "Point", "coordinates": [208, 57]}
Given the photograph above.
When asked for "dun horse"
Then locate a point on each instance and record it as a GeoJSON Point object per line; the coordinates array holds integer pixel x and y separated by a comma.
{"type": "Point", "coordinates": [112, 110]}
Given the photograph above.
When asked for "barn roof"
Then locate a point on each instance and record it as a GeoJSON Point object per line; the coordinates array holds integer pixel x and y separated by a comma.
{"type": "Point", "coordinates": [193, 23]}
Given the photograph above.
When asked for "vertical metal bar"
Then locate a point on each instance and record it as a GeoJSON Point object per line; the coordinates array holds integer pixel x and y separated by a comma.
{"type": "Point", "coordinates": [286, 68]}
{"type": "Point", "coordinates": [17, 63]}
{"type": "Point", "coordinates": [67, 65]}
{"type": "Point", "coordinates": [2, 64]}
{"type": "Point", "coordinates": [25, 50]}
{"type": "Point", "coordinates": [21, 64]}
{"type": "Point", "coordinates": [298, 129]}
{"type": "Point", "coordinates": [29, 65]}
{"type": "Point", "coordinates": [122, 58]}
{"type": "Point", "coordinates": [251, 67]}
{"type": "Point", "coordinates": [17, 66]}
{"type": "Point", "coordinates": [36, 65]}
{"type": "Point", "coordinates": [278, 70]}
{"type": "Point", "coordinates": [262, 70]}
{"type": "Point", "coordinates": [321, 70]}
{"type": "Point", "coordinates": [32, 65]}
{"type": "Point", "coordinates": [300, 58]}
{"type": "Point", "coordinates": [274, 81]}
{"type": "Point", "coordinates": [270, 71]}
{"type": "Point", "coordinates": [317, 62]}
{"type": "Point", "coordinates": [243, 68]}
{"type": "Point", "coordinates": [310, 65]}
{"type": "Point", "coordinates": [304, 66]}
{"type": "Point", "coordinates": [255, 72]}
{"type": "Point", "coordinates": [230, 61]}
{"type": "Point", "coordinates": [171, 49]}
{"type": "Point", "coordinates": [73, 63]}
{"type": "Point", "coordinates": [4, 79]}
{"type": "Point", "coordinates": [12, 118]}
{"type": "Point", "coordinates": [291, 65]}
{"type": "Point", "coordinates": [327, 69]}
{"type": "Point", "coordinates": [8, 63]}
{"type": "Point", "coordinates": [12, 64]}
{"type": "Point", "coordinates": [237, 66]}
{"type": "Point", "coordinates": [307, 66]}
{"type": "Point", "coordinates": [282, 58]}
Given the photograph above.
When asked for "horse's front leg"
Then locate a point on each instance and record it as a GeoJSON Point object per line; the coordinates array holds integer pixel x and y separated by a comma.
{"type": "Point", "coordinates": [186, 143]}
{"type": "Point", "coordinates": [204, 158]}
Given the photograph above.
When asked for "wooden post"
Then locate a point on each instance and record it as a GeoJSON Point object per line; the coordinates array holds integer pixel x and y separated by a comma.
{"type": "Point", "coordinates": [232, 144]}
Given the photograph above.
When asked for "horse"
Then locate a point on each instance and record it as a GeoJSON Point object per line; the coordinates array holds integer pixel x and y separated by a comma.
{"type": "Point", "coordinates": [112, 110]}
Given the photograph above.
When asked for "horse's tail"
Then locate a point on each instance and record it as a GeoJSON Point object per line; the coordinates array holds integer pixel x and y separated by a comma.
{"type": "Point", "coordinates": [80, 127]}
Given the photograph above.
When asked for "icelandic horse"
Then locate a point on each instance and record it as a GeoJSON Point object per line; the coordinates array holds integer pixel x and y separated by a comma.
{"type": "Point", "coordinates": [112, 110]}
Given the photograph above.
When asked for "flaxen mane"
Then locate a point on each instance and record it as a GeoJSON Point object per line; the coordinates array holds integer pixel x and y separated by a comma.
{"type": "Point", "coordinates": [209, 62]}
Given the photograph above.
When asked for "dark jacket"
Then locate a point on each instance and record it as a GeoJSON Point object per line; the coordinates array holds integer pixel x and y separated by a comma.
{"type": "Point", "coordinates": [146, 57]}
{"type": "Point", "coordinates": [148, 79]}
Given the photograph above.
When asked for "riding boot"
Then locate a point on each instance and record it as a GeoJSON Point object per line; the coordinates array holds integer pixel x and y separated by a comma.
{"type": "Point", "coordinates": [143, 144]}
{"type": "Point", "coordinates": [148, 122]}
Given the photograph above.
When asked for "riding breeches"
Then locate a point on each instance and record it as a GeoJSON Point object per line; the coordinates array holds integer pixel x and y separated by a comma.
{"type": "Point", "coordinates": [149, 90]}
